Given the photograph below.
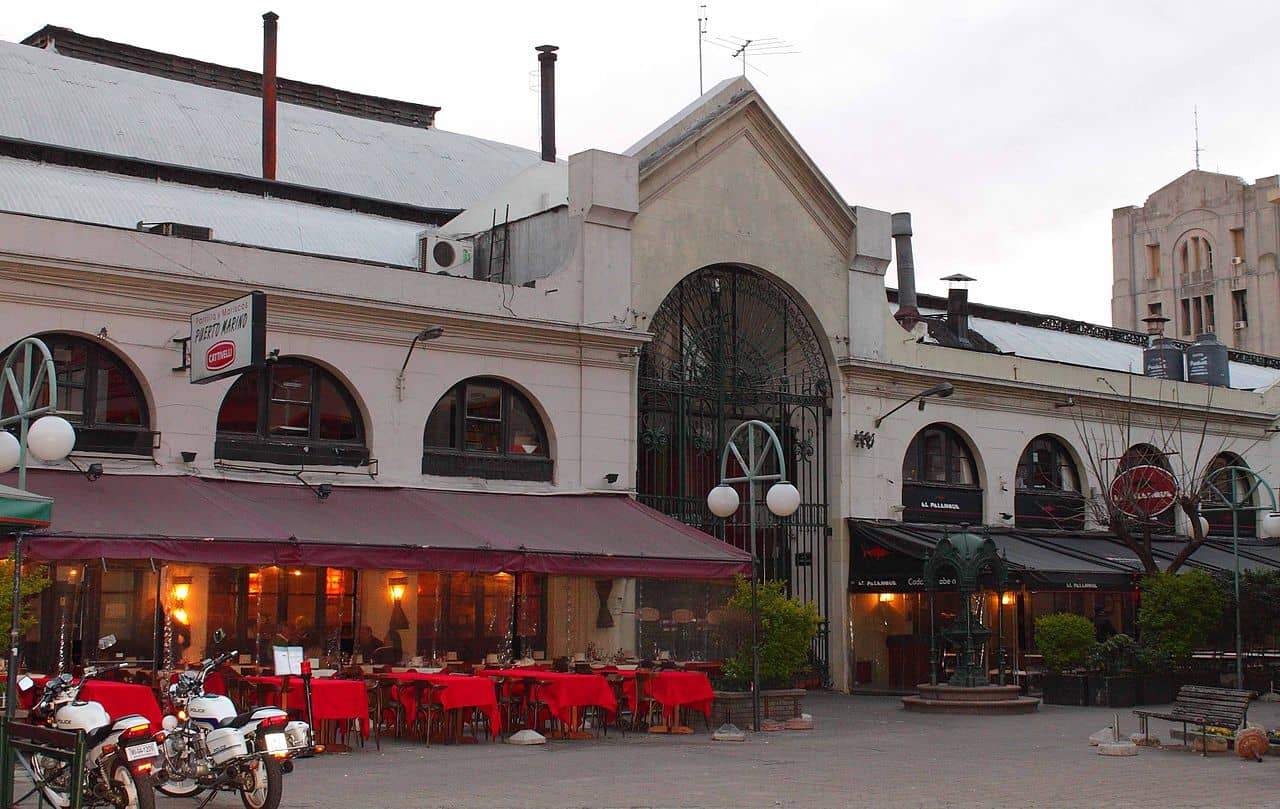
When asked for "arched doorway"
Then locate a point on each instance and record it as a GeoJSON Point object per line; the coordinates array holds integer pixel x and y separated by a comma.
{"type": "Point", "coordinates": [731, 345]}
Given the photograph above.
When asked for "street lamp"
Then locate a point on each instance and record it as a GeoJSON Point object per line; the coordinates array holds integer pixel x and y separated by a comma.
{"type": "Point", "coordinates": [49, 438]}
{"type": "Point", "coordinates": [1236, 501]}
{"type": "Point", "coordinates": [426, 335]}
{"type": "Point", "coordinates": [941, 390]}
{"type": "Point", "coordinates": [782, 500]}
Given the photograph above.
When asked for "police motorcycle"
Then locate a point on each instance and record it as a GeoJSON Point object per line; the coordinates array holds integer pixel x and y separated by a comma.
{"type": "Point", "coordinates": [121, 753]}
{"type": "Point", "coordinates": [208, 746]}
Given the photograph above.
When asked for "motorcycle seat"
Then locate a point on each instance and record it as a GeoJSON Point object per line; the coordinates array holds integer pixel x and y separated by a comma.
{"type": "Point", "coordinates": [237, 721]}
{"type": "Point", "coordinates": [95, 737]}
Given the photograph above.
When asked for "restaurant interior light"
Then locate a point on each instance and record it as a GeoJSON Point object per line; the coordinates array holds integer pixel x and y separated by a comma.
{"type": "Point", "coordinates": [180, 615]}
{"type": "Point", "coordinates": [181, 588]}
{"type": "Point", "coordinates": [885, 598]}
{"type": "Point", "coordinates": [1007, 599]}
{"type": "Point", "coordinates": [397, 586]}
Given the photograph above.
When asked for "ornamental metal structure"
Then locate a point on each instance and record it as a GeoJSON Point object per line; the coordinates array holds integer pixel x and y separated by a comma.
{"type": "Point", "coordinates": [969, 556]}
{"type": "Point", "coordinates": [730, 345]}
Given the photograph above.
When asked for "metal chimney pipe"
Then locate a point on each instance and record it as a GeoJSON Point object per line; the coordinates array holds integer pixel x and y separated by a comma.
{"type": "Point", "coordinates": [547, 61]}
{"type": "Point", "coordinates": [908, 313]}
{"type": "Point", "coordinates": [269, 95]}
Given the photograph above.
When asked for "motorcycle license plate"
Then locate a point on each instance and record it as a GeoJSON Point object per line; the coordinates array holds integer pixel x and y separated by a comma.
{"type": "Point", "coordinates": [140, 751]}
{"type": "Point", "coordinates": [277, 743]}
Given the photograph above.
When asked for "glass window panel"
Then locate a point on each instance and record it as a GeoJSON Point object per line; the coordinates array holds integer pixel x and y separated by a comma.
{"type": "Point", "coordinates": [71, 359]}
{"type": "Point", "coordinates": [127, 609]}
{"type": "Point", "coordinates": [525, 429]}
{"type": "Point", "coordinates": [461, 607]}
{"type": "Point", "coordinates": [935, 459]}
{"type": "Point", "coordinates": [116, 396]}
{"type": "Point", "coordinates": [430, 613]}
{"type": "Point", "coordinates": [443, 423]}
{"type": "Point", "coordinates": [239, 413]}
{"type": "Point", "coordinates": [529, 626]}
{"type": "Point", "coordinates": [499, 593]}
{"type": "Point", "coordinates": [484, 401]}
{"type": "Point", "coordinates": [337, 421]}
{"type": "Point", "coordinates": [483, 436]}
{"type": "Point", "coordinates": [289, 410]}
{"type": "Point", "coordinates": [223, 609]}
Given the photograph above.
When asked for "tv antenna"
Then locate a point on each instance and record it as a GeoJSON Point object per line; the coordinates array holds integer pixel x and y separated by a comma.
{"type": "Point", "coordinates": [1195, 112]}
{"type": "Point", "coordinates": [763, 46]}
{"type": "Point", "coordinates": [702, 33]}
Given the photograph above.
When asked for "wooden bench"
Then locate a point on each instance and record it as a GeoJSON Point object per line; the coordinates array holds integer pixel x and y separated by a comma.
{"type": "Point", "coordinates": [1202, 707]}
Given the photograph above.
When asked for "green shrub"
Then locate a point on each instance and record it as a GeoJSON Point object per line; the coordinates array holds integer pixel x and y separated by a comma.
{"type": "Point", "coordinates": [34, 580]}
{"type": "Point", "coordinates": [1178, 612]}
{"type": "Point", "coordinates": [1066, 640]}
{"type": "Point", "coordinates": [1115, 655]}
{"type": "Point", "coordinates": [787, 628]}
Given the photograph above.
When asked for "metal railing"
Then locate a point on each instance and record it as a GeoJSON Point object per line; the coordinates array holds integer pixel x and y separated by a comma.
{"type": "Point", "coordinates": [20, 741]}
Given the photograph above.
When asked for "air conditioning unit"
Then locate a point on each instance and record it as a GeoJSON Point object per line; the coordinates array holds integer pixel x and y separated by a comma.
{"type": "Point", "coordinates": [1240, 324]}
{"type": "Point", "coordinates": [1236, 261]}
{"type": "Point", "coordinates": [446, 256]}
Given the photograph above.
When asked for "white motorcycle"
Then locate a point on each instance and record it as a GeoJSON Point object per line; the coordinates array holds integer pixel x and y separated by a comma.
{"type": "Point", "coordinates": [208, 746]}
{"type": "Point", "coordinates": [121, 756]}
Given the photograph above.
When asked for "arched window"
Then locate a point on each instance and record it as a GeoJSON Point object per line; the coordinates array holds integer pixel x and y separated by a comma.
{"type": "Point", "coordinates": [291, 412]}
{"type": "Point", "coordinates": [1229, 483]}
{"type": "Point", "coordinates": [97, 393]}
{"type": "Point", "coordinates": [1143, 455]}
{"type": "Point", "coordinates": [486, 428]}
{"type": "Point", "coordinates": [1047, 491]}
{"type": "Point", "coordinates": [1047, 466]}
{"type": "Point", "coordinates": [939, 455]}
{"type": "Point", "coordinates": [940, 479]}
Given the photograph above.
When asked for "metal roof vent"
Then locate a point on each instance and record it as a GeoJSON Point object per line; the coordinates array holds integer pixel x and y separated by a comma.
{"type": "Point", "coordinates": [178, 230]}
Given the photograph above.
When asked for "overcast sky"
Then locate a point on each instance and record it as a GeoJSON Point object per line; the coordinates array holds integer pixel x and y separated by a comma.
{"type": "Point", "coordinates": [1010, 130]}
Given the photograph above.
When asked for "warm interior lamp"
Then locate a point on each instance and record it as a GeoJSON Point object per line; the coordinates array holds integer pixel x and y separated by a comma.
{"type": "Point", "coordinates": [181, 588]}
{"type": "Point", "coordinates": [397, 586]}
{"type": "Point", "coordinates": [1007, 599]}
{"type": "Point", "coordinates": [180, 615]}
{"type": "Point", "coordinates": [886, 597]}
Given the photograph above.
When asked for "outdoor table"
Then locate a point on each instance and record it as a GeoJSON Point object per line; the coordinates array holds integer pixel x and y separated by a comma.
{"type": "Point", "coordinates": [673, 690]}
{"type": "Point", "coordinates": [460, 693]}
{"type": "Point", "coordinates": [331, 700]}
{"type": "Point", "coordinates": [566, 694]}
{"type": "Point", "coordinates": [117, 699]}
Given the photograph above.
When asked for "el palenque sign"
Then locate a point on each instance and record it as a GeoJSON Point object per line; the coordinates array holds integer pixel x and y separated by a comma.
{"type": "Point", "coordinates": [1143, 492]}
{"type": "Point", "coordinates": [229, 338]}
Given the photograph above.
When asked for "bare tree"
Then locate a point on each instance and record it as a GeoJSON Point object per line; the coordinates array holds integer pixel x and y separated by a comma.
{"type": "Point", "coordinates": [1120, 433]}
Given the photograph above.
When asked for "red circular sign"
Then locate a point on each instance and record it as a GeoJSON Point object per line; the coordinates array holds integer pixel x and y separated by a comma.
{"type": "Point", "coordinates": [220, 355]}
{"type": "Point", "coordinates": [1143, 492]}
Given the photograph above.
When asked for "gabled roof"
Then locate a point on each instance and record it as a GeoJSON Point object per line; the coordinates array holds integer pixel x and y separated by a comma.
{"type": "Point", "coordinates": [77, 104]}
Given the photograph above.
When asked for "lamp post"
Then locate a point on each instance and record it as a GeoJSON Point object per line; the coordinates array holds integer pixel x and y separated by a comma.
{"type": "Point", "coordinates": [49, 438]}
{"type": "Point", "coordinates": [1236, 501]}
{"type": "Point", "coordinates": [941, 390]}
{"type": "Point", "coordinates": [782, 499]}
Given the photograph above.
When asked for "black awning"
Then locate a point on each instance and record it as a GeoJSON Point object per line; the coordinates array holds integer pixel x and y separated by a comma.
{"type": "Point", "coordinates": [889, 556]}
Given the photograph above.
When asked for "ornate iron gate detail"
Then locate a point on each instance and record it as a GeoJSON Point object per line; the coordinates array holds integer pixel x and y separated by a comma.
{"type": "Point", "coordinates": [731, 345]}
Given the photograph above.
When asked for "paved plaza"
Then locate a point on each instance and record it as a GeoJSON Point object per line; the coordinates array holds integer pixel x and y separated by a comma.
{"type": "Point", "coordinates": [866, 751]}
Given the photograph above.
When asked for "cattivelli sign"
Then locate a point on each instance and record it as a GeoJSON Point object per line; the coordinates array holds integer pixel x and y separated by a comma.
{"type": "Point", "coordinates": [229, 338]}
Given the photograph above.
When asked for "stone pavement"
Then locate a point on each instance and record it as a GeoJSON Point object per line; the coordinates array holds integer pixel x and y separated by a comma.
{"type": "Point", "coordinates": [866, 751]}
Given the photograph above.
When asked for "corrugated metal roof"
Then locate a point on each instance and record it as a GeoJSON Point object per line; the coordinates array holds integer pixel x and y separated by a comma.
{"type": "Point", "coordinates": [84, 105]}
{"type": "Point", "coordinates": [1092, 352]}
{"type": "Point", "coordinates": [81, 195]}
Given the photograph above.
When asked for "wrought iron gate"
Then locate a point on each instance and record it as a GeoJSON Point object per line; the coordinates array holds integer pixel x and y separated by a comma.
{"type": "Point", "coordinates": [732, 345]}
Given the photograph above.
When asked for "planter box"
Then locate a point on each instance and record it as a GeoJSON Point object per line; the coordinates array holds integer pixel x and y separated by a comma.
{"type": "Point", "coordinates": [1156, 689]}
{"type": "Point", "coordinates": [1066, 689]}
{"type": "Point", "coordinates": [735, 706]}
{"type": "Point", "coordinates": [1119, 691]}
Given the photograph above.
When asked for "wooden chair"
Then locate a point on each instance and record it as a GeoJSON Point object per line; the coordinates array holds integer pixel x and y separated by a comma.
{"type": "Point", "coordinates": [429, 709]}
{"type": "Point", "coordinates": [648, 618]}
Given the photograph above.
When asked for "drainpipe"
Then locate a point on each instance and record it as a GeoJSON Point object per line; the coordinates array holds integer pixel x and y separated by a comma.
{"type": "Point", "coordinates": [908, 314]}
{"type": "Point", "coordinates": [547, 62]}
{"type": "Point", "coordinates": [269, 95]}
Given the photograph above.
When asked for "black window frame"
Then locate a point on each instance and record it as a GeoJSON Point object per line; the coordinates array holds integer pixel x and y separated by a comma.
{"type": "Point", "coordinates": [1061, 459]}
{"type": "Point", "coordinates": [457, 461]}
{"type": "Point", "coordinates": [91, 436]}
{"type": "Point", "coordinates": [951, 441]}
{"type": "Point", "coordinates": [264, 447]}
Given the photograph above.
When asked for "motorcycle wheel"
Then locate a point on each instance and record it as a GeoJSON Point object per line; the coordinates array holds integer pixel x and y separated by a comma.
{"type": "Point", "coordinates": [53, 777]}
{"type": "Point", "coordinates": [138, 791]}
{"type": "Point", "coordinates": [268, 782]}
{"type": "Point", "coordinates": [180, 789]}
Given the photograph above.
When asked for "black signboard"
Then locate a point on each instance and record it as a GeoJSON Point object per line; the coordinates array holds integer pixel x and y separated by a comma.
{"type": "Point", "coordinates": [949, 505]}
{"type": "Point", "coordinates": [1048, 510]}
{"type": "Point", "coordinates": [804, 559]}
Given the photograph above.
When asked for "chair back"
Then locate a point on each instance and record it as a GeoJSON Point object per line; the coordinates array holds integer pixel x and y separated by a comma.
{"type": "Point", "coordinates": [682, 616]}
{"type": "Point", "coordinates": [648, 614]}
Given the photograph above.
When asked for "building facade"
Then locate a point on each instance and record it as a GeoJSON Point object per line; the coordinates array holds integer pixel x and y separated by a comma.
{"type": "Point", "coordinates": [1201, 251]}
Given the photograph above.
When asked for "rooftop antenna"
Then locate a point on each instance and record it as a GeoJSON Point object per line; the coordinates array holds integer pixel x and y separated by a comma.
{"type": "Point", "coordinates": [1195, 112]}
{"type": "Point", "coordinates": [702, 33]}
{"type": "Point", "coordinates": [764, 46]}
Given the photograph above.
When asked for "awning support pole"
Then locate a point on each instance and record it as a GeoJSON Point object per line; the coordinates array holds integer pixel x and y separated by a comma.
{"type": "Point", "coordinates": [10, 688]}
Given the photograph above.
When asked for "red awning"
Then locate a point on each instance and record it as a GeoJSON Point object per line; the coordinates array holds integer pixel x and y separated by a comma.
{"type": "Point", "coordinates": [192, 519]}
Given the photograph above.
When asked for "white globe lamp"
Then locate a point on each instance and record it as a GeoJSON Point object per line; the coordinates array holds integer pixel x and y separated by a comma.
{"type": "Point", "coordinates": [1269, 525]}
{"type": "Point", "coordinates": [783, 499]}
{"type": "Point", "coordinates": [9, 451]}
{"type": "Point", "coordinates": [51, 438]}
{"type": "Point", "coordinates": [723, 500]}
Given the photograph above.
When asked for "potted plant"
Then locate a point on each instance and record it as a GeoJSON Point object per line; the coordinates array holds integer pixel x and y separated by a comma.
{"type": "Point", "coordinates": [787, 629]}
{"type": "Point", "coordinates": [1066, 640]}
{"type": "Point", "coordinates": [1114, 683]}
{"type": "Point", "coordinates": [1178, 613]}
{"type": "Point", "coordinates": [1155, 677]}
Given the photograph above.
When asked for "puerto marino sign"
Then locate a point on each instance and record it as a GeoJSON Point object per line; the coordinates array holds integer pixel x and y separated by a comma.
{"type": "Point", "coordinates": [229, 338]}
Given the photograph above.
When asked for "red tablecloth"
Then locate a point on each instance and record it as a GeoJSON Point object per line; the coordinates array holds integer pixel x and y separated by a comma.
{"type": "Point", "coordinates": [117, 699]}
{"type": "Point", "coordinates": [460, 691]}
{"type": "Point", "coordinates": [330, 699]}
{"type": "Point", "coordinates": [564, 692]}
{"type": "Point", "coordinates": [672, 689]}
